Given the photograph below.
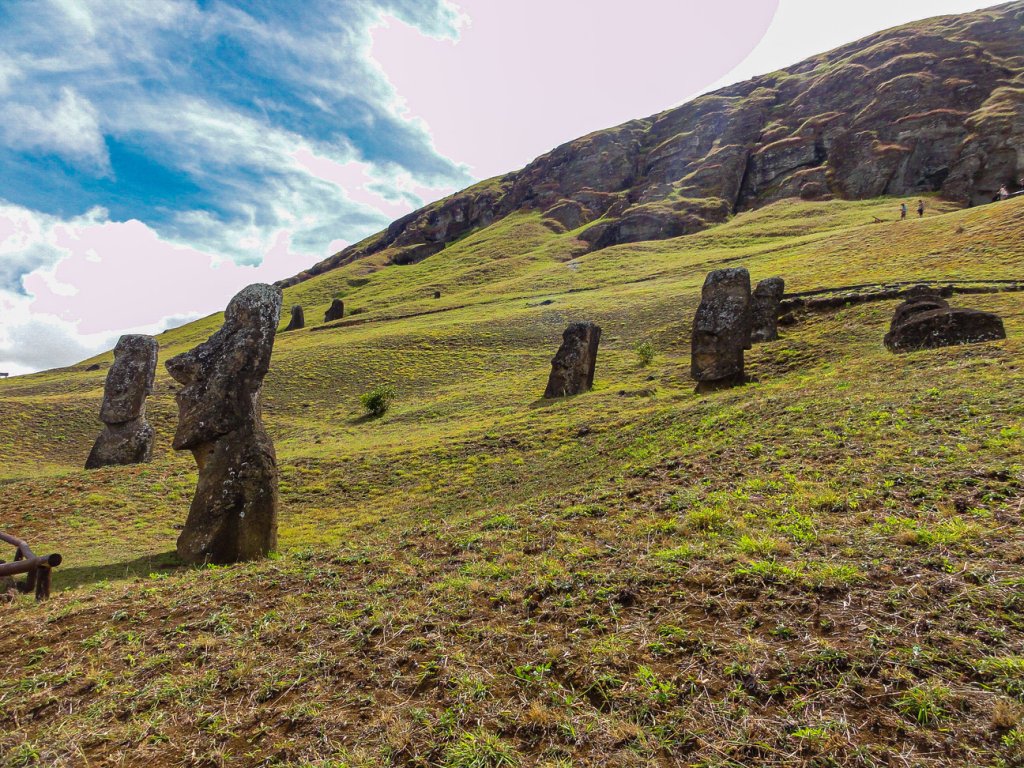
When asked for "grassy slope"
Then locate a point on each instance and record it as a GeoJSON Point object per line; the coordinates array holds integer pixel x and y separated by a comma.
{"type": "Point", "coordinates": [824, 565]}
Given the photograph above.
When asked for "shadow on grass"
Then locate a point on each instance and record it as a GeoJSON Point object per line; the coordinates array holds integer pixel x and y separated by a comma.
{"type": "Point", "coordinates": [366, 418]}
{"type": "Point", "coordinates": [68, 578]}
{"type": "Point", "coordinates": [550, 402]}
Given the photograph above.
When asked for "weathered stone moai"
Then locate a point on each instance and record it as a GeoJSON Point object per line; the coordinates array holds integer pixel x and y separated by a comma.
{"type": "Point", "coordinates": [127, 438]}
{"type": "Point", "coordinates": [334, 312]}
{"type": "Point", "coordinates": [234, 513]}
{"type": "Point", "coordinates": [721, 330]}
{"type": "Point", "coordinates": [572, 367]}
{"type": "Point", "coordinates": [765, 303]}
{"type": "Point", "coordinates": [437, 294]}
{"type": "Point", "coordinates": [926, 321]}
{"type": "Point", "coordinates": [298, 319]}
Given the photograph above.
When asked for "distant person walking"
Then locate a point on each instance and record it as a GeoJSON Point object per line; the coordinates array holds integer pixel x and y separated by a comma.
{"type": "Point", "coordinates": [903, 210]}
{"type": "Point", "coordinates": [1004, 193]}
{"type": "Point", "coordinates": [920, 208]}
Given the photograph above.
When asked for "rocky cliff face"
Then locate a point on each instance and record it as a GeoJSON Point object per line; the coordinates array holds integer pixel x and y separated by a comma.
{"type": "Point", "coordinates": [936, 106]}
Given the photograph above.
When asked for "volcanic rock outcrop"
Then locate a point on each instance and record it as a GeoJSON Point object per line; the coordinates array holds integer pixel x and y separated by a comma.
{"type": "Point", "coordinates": [935, 106]}
{"type": "Point", "coordinates": [926, 321]}
{"type": "Point", "coordinates": [234, 513]}
{"type": "Point", "coordinates": [572, 367]}
{"type": "Point", "coordinates": [721, 330]}
{"type": "Point", "coordinates": [127, 438]}
{"type": "Point", "coordinates": [765, 304]}
{"type": "Point", "coordinates": [298, 319]}
{"type": "Point", "coordinates": [335, 312]}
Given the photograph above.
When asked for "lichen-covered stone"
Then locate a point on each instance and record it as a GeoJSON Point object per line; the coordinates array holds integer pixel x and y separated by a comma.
{"type": "Point", "coordinates": [765, 303]}
{"type": "Point", "coordinates": [572, 368]}
{"type": "Point", "coordinates": [127, 438]}
{"type": "Point", "coordinates": [130, 442]}
{"type": "Point", "coordinates": [721, 329]}
{"type": "Point", "coordinates": [234, 512]}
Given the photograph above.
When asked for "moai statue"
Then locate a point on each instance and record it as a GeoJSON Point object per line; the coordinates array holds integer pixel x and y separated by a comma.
{"type": "Point", "coordinates": [767, 299]}
{"type": "Point", "coordinates": [334, 312]}
{"type": "Point", "coordinates": [233, 516]}
{"type": "Point", "coordinates": [127, 438]}
{"type": "Point", "coordinates": [572, 368]}
{"type": "Point", "coordinates": [926, 321]}
{"type": "Point", "coordinates": [721, 330]}
{"type": "Point", "coordinates": [298, 319]}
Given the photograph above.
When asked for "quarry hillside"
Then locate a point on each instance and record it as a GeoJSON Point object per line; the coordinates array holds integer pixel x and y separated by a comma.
{"type": "Point", "coordinates": [823, 567]}
{"type": "Point", "coordinates": [936, 106]}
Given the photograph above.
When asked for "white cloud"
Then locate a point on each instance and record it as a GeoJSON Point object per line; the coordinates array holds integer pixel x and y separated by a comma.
{"type": "Point", "coordinates": [9, 72]}
{"type": "Point", "coordinates": [294, 149]}
{"type": "Point", "coordinates": [67, 125]}
{"type": "Point", "coordinates": [102, 278]}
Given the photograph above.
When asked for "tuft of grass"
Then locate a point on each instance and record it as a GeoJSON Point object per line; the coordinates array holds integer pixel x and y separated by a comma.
{"type": "Point", "coordinates": [480, 749]}
{"type": "Point", "coordinates": [1005, 673]}
{"type": "Point", "coordinates": [926, 704]}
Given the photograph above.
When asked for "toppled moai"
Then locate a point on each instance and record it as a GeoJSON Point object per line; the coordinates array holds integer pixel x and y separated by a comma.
{"type": "Point", "coordinates": [233, 515]}
{"type": "Point", "coordinates": [721, 330]}
{"type": "Point", "coordinates": [298, 319]}
{"type": "Point", "coordinates": [334, 312]}
{"type": "Point", "coordinates": [926, 321]}
{"type": "Point", "coordinates": [765, 303]}
{"type": "Point", "coordinates": [572, 367]}
{"type": "Point", "coordinates": [127, 438]}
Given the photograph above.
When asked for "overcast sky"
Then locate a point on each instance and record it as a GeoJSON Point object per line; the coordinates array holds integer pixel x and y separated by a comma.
{"type": "Point", "coordinates": [158, 155]}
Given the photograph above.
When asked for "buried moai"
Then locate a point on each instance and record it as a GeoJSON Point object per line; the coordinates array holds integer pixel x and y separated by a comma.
{"type": "Point", "coordinates": [233, 516]}
{"type": "Point", "coordinates": [298, 319]}
{"type": "Point", "coordinates": [721, 330]}
{"type": "Point", "coordinates": [334, 312]}
{"type": "Point", "coordinates": [764, 308]}
{"type": "Point", "coordinates": [127, 438]}
{"type": "Point", "coordinates": [572, 368]}
{"type": "Point", "coordinates": [926, 321]}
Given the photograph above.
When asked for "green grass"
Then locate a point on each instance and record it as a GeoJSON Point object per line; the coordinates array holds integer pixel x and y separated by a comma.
{"type": "Point", "coordinates": [822, 565]}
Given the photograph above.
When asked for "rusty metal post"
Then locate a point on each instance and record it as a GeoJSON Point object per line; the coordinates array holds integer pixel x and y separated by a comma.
{"type": "Point", "coordinates": [43, 582]}
{"type": "Point", "coordinates": [38, 570]}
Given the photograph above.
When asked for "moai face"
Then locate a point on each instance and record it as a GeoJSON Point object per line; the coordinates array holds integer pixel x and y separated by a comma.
{"type": "Point", "coordinates": [223, 376]}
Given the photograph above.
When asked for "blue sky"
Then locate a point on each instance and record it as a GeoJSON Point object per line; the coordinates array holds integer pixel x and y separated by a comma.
{"type": "Point", "coordinates": [155, 109]}
{"type": "Point", "coordinates": [158, 155]}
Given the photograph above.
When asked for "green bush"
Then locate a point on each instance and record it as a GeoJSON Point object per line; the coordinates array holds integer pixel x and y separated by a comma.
{"type": "Point", "coordinates": [378, 400]}
{"type": "Point", "coordinates": [645, 352]}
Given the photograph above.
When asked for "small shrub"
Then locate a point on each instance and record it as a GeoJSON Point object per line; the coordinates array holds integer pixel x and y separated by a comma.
{"type": "Point", "coordinates": [645, 353]}
{"type": "Point", "coordinates": [378, 400]}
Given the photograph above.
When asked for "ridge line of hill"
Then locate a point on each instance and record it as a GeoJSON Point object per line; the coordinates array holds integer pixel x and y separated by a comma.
{"type": "Point", "coordinates": [932, 106]}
